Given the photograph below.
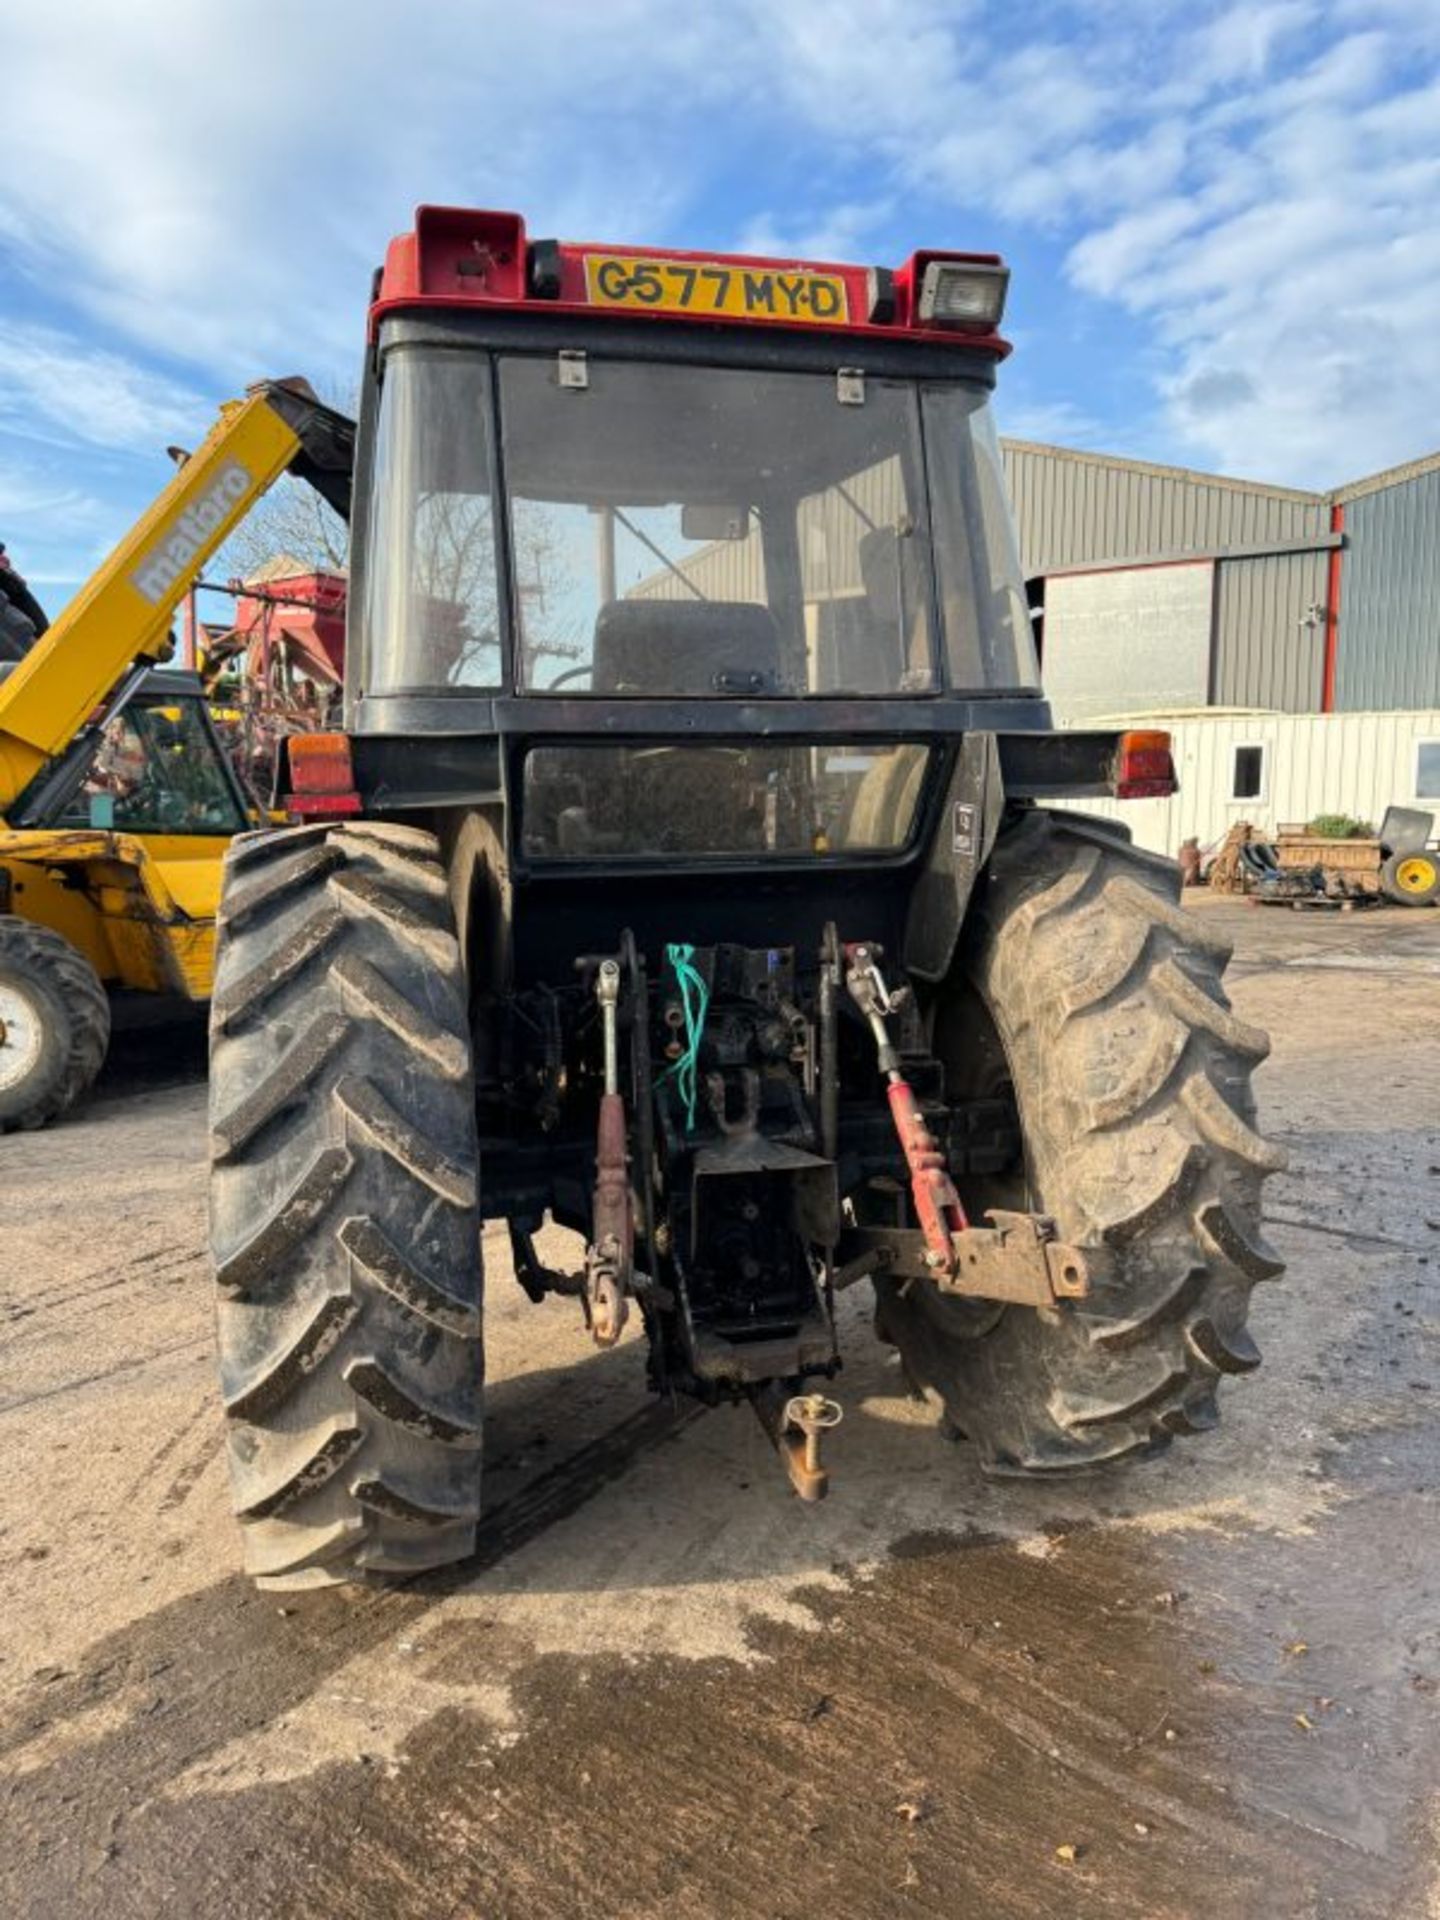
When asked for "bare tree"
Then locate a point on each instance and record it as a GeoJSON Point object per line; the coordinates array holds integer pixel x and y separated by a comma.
{"type": "Point", "coordinates": [291, 519]}
{"type": "Point", "coordinates": [448, 567]}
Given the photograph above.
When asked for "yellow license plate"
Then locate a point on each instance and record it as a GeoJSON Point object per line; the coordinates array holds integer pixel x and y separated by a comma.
{"type": "Point", "coordinates": [711, 287]}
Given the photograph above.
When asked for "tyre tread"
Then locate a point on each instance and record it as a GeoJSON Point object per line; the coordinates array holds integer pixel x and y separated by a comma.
{"type": "Point", "coordinates": [1132, 1076]}
{"type": "Point", "coordinates": [344, 1184]}
{"type": "Point", "coordinates": [76, 985]}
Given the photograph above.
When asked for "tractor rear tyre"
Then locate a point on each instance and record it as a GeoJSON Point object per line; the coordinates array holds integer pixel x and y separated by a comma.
{"type": "Point", "coordinates": [344, 1207]}
{"type": "Point", "coordinates": [1095, 1002]}
{"type": "Point", "coordinates": [1411, 879]}
{"type": "Point", "coordinates": [54, 1024]}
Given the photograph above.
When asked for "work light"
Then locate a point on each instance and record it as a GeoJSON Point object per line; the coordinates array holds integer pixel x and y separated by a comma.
{"type": "Point", "coordinates": [963, 293]}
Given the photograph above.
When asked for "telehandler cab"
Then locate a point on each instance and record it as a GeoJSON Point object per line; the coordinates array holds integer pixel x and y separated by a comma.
{"type": "Point", "coordinates": [682, 876]}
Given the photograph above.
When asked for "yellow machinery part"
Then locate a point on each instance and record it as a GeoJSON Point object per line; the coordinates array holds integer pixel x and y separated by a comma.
{"type": "Point", "coordinates": [1416, 873]}
{"type": "Point", "coordinates": [124, 610]}
{"type": "Point", "coordinates": [39, 894]}
{"type": "Point", "coordinates": [141, 909]}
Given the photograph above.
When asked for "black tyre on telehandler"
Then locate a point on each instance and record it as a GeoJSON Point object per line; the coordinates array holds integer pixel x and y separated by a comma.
{"type": "Point", "coordinates": [54, 1024]}
{"type": "Point", "coordinates": [1085, 991]}
{"type": "Point", "coordinates": [344, 1207]}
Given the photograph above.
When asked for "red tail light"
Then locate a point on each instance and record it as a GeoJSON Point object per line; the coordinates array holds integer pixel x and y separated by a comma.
{"type": "Point", "coordinates": [1144, 769]}
{"type": "Point", "coordinates": [322, 775]}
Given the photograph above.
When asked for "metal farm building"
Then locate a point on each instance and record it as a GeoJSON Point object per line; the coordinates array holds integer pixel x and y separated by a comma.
{"type": "Point", "coordinates": [1167, 588]}
{"type": "Point", "coordinates": [1289, 640]}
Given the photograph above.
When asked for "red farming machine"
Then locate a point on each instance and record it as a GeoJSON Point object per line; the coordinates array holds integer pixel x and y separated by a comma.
{"type": "Point", "coordinates": [277, 668]}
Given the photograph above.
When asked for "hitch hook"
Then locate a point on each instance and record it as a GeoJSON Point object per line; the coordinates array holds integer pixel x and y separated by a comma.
{"type": "Point", "coordinates": [795, 1424]}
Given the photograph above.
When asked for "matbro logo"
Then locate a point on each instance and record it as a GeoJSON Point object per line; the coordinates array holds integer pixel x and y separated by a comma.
{"type": "Point", "coordinates": [168, 561]}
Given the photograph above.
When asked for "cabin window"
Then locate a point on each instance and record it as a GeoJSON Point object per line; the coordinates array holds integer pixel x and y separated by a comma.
{"type": "Point", "coordinates": [1247, 774]}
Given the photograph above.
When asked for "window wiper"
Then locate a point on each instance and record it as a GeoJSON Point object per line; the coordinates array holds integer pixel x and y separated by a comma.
{"type": "Point", "coordinates": [664, 558]}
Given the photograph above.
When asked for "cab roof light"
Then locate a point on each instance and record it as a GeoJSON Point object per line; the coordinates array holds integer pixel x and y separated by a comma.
{"type": "Point", "coordinates": [1144, 769]}
{"type": "Point", "coordinates": [966, 295]}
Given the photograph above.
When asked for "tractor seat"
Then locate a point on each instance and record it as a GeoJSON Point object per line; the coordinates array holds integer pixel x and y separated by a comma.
{"type": "Point", "coordinates": [685, 647]}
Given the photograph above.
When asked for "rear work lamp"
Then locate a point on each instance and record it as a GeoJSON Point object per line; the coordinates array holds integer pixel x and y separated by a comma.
{"type": "Point", "coordinates": [965, 294]}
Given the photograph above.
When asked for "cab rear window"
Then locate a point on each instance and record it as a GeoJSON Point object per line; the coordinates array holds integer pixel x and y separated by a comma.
{"type": "Point", "coordinates": [638, 802]}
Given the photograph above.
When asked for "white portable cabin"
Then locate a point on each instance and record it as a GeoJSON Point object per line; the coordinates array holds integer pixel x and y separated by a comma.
{"type": "Point", "coordinates": [1279, 769]}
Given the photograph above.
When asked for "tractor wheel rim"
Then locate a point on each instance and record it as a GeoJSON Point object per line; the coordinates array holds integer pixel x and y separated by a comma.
{"type": "Point", "coordinates": [1414, 876]}
{"type": "Point", "coordinates": [21, 1036]}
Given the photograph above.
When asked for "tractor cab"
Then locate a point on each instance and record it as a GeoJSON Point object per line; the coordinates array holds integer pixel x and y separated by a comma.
{"type": "Point", "coordinates": [686, 530]}
{"type": "Point", "coordinates": [619, 498]}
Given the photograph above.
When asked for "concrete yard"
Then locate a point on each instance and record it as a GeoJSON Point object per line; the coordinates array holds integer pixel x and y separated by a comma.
{"type": "Point", "coordinates": [1207, 1685]}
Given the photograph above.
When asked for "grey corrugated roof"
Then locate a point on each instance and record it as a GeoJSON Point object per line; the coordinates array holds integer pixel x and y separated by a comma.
{"type": "Point", "coordinates": [1337, 496]}
{"type": "Point", "coordinates": [1193, 474]}
{"type": "Point", "coordinates": [1388, 477]}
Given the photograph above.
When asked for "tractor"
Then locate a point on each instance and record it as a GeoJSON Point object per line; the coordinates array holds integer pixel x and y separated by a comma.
{"type": "Point", "coordinates": [682, 876]}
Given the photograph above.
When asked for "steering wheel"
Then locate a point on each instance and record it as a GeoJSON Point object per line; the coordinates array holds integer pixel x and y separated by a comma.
{"type": "Point", "coordinates": [570, 673]}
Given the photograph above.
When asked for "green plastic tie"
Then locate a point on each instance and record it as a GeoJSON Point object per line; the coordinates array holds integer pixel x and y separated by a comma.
{"type": "Point", "coordinates": [694, 1003]}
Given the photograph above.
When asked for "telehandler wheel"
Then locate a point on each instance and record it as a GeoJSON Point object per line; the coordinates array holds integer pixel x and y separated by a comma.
{"type": "Point", "coordinates": [344, 1206]}
{"type": "Point", "coordinates": [54, 1024]}
{"type": "Point", "coordinates": [1089, 993]}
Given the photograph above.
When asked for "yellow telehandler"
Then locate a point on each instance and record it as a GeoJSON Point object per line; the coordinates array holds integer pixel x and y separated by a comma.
{"type": "Point", "coordinates": [117, 801]}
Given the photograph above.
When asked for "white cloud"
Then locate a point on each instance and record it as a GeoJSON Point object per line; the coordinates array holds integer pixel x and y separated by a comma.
{"type": "Point", "coordinates": [1295, 296]}
{"type": "Point", "coordinates": [225, 178]}
{"type": "Point", "coordinates": [843, 232]}
{"type": "Point", "coordinates": [1255, 185]}
{"type": "Point", "coordinates": [53, 387]}
{"type": "Point", "coordinates": [54, 526]}
{"type": "Point", "coordinates": [927, 91]}
{"type": "Point", "coordinates": [1240, 43]}
{"type": "Point", "coordinates": [1048, 421]}
{"type": "Point", "coordinates": [24, 496]}
{"type": "Point", "coordinates": [1252, 182]}
{"type": "Point", "coordinates": [1107, 261]}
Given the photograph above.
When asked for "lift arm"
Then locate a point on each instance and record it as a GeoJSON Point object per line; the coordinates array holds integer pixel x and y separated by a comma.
{"type": "Point", "coordinates": [120, 619]}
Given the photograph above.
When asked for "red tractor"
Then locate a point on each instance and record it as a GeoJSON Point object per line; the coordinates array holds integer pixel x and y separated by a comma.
{"type": "Point", "coordinates": [683, 875]}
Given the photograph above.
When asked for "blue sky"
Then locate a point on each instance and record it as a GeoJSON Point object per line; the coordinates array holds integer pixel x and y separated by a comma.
{"type": "Point", "coordinates": [1222, 219]}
